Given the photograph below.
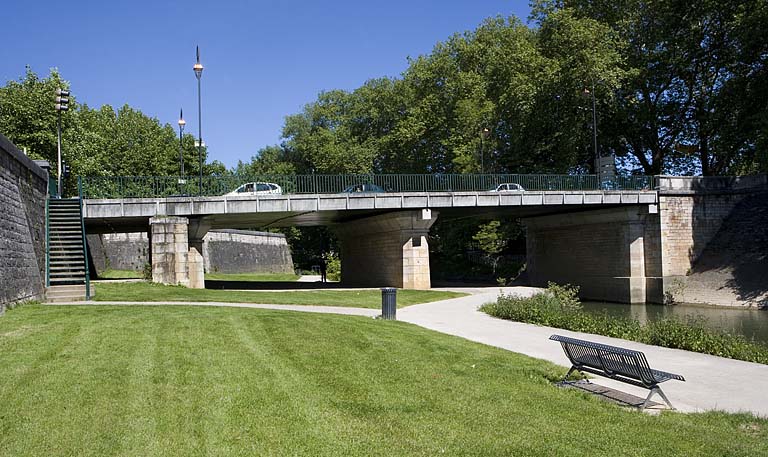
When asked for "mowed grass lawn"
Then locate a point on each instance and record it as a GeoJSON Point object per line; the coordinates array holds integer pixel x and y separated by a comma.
{"type": "Point", "coordinates": [120, 274]}
{"type": "Point", "coordinates": [364, 298]}
{"type": "Point", "coordinates": [179, 381]}
{"type": "Point", "coordinates": [258, 277]}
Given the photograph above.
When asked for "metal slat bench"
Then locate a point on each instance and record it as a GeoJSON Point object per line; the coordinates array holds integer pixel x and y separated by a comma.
{"type": "Point", "coordinates": [617, 363]}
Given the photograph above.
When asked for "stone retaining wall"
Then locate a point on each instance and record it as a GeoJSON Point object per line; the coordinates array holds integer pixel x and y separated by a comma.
{"type": "Point", "coordinates": [241, 251]}
{"type": "Point", "coordinates": [224, 251]}
{"type": "Point", "coordinates": [23, 191]}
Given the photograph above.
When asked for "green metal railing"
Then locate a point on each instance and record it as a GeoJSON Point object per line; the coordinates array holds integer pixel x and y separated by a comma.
{"type": "Point", "coordinates": [174, 186]}
{"type": "Point", "coordinates": [85, 241]}
{"type": "Point", "coordinates": [47, 244]}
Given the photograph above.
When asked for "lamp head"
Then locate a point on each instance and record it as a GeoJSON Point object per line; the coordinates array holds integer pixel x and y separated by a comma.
{"type": "Point", "coordinates": [182, 122]}
{"type": "Point", "coordinates": [198, 67]}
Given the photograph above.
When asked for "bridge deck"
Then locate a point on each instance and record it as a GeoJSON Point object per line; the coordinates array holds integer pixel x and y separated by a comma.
{"type": "Point", "coordinates": [324, 209]}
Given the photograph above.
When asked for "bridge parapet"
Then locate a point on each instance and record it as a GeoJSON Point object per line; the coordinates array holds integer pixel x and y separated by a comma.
{"type": "Point", "coordinates": [688, 185]}
{"type": "Point", "coordinates": [173, 186]}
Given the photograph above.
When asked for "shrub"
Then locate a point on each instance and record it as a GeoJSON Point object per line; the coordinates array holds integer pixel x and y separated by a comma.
{"type": "Point", "coordinates": [333, 268]}
{"type": "Point", "coordinates": [558, 307]}
{"type": "Point", "coordinates": [146, 272]}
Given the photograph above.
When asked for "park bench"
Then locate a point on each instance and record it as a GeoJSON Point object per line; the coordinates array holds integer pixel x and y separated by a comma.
{"type": "Point", "coordinates": [617, 363]}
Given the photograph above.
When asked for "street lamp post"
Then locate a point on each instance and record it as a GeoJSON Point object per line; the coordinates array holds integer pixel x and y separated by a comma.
{"type": "Point", "coordinates": [594, 125]}
{"type": "Point", "coordinates": [198, 68]}
{"type": "Point", "coordinates": [484, 134]}
{"type": "Point", "coordinates": [62, 104]}
{"type": "Point", "coordinates": [182, 123]}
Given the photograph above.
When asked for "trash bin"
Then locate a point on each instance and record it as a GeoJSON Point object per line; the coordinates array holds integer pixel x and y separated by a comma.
{"type": "Point", "coordinates": [388, 303]}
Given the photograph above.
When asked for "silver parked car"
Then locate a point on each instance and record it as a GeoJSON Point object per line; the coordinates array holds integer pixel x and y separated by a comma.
{"type": "Point", "coordinates": [508, 187]}
{"type": "Point", "coordinates": [257, 188]}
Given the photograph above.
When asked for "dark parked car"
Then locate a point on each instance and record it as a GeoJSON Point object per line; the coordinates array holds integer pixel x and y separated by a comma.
{"type": "Point", "coordinates": [364, 188]}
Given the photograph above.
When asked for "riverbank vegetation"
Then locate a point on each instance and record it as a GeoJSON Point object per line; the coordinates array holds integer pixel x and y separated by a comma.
{"type": "Point", "coordinates": [559, 307]}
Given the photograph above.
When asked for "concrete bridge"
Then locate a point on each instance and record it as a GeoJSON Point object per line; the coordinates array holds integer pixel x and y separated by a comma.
{"type": "Point", "coordinates": [627, 246]}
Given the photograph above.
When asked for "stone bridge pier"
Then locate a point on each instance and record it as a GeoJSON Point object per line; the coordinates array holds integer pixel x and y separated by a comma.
{"type": "Point", "coordinates": [611, 254]}
{"type": "Point", "coordinates": [636, 253]}
{"type": "Point", "coordinates": [388, 250]}
{"type": "Point", "coordinates": [174, 261]}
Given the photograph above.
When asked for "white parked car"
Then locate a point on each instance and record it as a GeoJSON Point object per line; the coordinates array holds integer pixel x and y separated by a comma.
{"type": "Point", "coordinates": [508, 187]}
{"type": "Point", "coordinates": [257, 188]}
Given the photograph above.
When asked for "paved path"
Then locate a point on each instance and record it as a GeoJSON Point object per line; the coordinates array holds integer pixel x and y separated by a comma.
{"type": "Point", "coordinates": [713, 383]}
{"type": "Point", "coordinates": [306, 309]}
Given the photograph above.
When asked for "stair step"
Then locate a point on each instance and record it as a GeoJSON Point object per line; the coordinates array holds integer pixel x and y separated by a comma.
{"type": "Point", "coordinates": [67, 281]}
{"type": "Point", "coordinates": [71, 288]}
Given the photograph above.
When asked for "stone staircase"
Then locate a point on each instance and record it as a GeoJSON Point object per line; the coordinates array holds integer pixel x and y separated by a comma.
{"type": "Point", "coordinates": [66, 257]}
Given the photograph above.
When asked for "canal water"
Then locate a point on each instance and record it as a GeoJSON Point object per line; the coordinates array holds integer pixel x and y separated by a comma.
{"type": "Point", "coordinates": [751, 323]}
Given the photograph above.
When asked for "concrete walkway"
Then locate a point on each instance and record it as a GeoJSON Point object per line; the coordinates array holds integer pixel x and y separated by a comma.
{"type": "Point", "coordinates": [712, 383]}
{"type": "Point", "coordinates": [303, 308]}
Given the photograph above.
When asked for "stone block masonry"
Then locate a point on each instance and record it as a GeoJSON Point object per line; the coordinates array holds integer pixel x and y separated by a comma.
{"type": "Point", "coordinates": [171, 254]}
{"type": "Point", "coordinates": [224, 251]}
{"type": "Point", "coordinates": [387, 251]}
{"type": "Point", "coordinates": [241, 251]}
{"type": "Point", "coordinates": [688, 223]}
{"type": "Point", "coordinates": [603, 252]}
{"type": "Point", "coordinates": [118, 251]}
{"type": "Point", "coordinates": [639, 253]}
{"type": "Point", "coordinates": [23, 191]}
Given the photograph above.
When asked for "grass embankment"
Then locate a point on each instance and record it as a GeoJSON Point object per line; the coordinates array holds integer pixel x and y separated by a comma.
{"type": "Point", "coordinates": [140, 381]}
{"type": "Point", "coordinates": [364, 298]}
{"type": "Point", "coordinates": [558, 307]}
{"type": "Point", "coordinates": [120, 274]}
{"type": "Point", "coordinates": [257, 277]}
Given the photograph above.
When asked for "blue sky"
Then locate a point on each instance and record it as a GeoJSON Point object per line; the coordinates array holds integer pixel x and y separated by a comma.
{"type": "Point", "coordinates": [263, 59]}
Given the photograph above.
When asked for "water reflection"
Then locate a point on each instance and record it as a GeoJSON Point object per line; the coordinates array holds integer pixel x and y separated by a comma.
{"type": "Point", "coordinates": [752, 323]}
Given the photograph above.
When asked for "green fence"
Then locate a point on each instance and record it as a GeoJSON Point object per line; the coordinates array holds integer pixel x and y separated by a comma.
{"type": "Point", "coordinates": [173, 186]}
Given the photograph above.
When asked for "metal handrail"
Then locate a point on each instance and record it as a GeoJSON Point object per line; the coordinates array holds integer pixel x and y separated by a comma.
{"type": "Point", "coordinates": [85, 241]}
{"type": "Point", "coordinates": [47, 243]}
{"type": "Point", "coordinates": [175, 186]}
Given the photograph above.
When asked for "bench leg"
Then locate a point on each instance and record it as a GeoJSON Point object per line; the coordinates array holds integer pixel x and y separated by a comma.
{"type": "Point", "coordinates": [657, 389]}
{"type": "Point", "coordinates": [568, 374]}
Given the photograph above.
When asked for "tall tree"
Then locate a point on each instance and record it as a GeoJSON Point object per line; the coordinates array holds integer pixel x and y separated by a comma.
{"type": "Point", "coordinates": [682, 110]}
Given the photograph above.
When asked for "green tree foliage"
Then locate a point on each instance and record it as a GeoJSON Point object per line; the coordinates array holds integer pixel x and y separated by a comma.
{"type": "Point", "coordinates": [95, 142]}
{"type": "Point", "coordinates": [270, 160]}
{"type": "Point", "coordinates": [490, 239]}
{"type": "Point", "coordinates": [695, 71]}
{"type": "Point", "coordinates": [520, 84]}
{"type": "Point", "coordinates": [27, 116]}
